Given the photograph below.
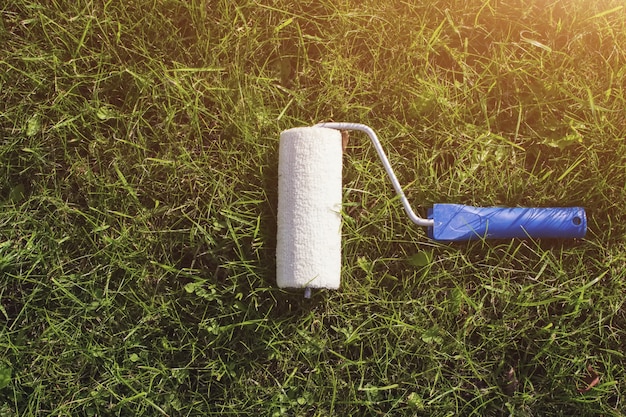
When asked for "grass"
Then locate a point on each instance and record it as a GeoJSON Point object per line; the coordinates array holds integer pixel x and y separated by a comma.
{"type": "Point", "coordinates": [138, 160]}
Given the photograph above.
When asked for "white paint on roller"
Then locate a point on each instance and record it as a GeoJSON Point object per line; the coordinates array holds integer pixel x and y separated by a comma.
{"type": "Point", "coordinates": [308, 247]}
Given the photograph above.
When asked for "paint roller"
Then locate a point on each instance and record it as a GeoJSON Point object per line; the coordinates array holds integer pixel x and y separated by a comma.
{"type": "Point", "coordinates": [308, 247]}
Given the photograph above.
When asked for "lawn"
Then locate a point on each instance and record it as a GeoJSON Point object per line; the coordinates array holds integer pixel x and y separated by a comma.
{"type": "Point", "coordinates": [138, 194]}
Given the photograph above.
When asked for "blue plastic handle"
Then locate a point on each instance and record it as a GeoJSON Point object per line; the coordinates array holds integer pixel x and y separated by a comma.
{"type": "Point", "coordinates": [456, 222]}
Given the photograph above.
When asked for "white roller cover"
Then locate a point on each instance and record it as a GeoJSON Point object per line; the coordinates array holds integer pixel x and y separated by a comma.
{"type": "Point", "coordinates": [308, 247]}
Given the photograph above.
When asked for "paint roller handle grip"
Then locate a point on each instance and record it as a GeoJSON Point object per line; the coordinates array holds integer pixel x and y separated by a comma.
{"type": "Point", "coordinates": [456, 222]}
